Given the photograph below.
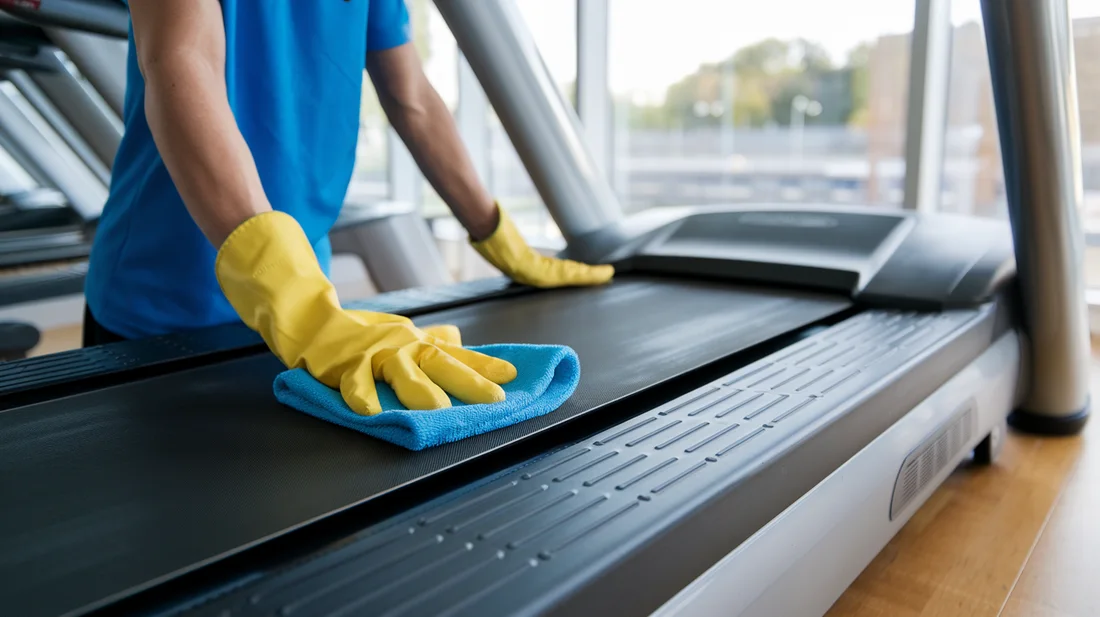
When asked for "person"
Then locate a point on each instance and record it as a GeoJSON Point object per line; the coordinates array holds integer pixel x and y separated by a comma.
{"type": "Point", "coordinates": [241, 120]}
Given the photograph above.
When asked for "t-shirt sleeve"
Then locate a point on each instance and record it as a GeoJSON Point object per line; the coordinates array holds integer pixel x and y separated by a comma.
{"type": "Point", "coordinates": [387, 24]}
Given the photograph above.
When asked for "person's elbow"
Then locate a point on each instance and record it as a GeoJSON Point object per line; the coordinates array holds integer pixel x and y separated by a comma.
{"type": "Point", "coordinates": [411, 102]}
{"type": "Point", "coordinates": [403, 89]}
{"type": "Point", "coordinates": [177, 40]}
{"type": "Point", "coordinates": [177, 82]}
{"type": "Point", "coordinates": [167, 67]}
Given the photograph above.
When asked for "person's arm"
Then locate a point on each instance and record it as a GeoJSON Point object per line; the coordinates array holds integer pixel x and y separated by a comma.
{"type": "Point", "coordinates": [265, 265]}
{"type": "Point", "coordinates": [425, 124]}
{"type": "Point", "coordinates": [181, 54]}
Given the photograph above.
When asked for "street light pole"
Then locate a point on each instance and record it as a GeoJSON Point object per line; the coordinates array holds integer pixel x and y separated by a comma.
{"type": "Point", "coordinates": [801, 107]}
{"type": "Point", "coordinates": [729, 86]}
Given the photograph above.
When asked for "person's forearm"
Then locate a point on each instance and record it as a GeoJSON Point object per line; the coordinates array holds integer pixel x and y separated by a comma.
{"type": "Point", "coordinates": [180, 47]}
{"type": "Point", "coordinates": [430, 133]}
{"type": "Point", "coordinates": [425, 124]}
{"type": "Point", "coordinates": [195, 131]}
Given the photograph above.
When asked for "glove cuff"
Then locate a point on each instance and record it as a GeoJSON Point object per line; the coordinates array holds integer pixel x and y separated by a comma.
{"type": "Point", "coordinates": [504, 246]}
{"type": "Point", "coordinates": [248, 249]}
{"type": "Point", "coordinates": [270, 275]}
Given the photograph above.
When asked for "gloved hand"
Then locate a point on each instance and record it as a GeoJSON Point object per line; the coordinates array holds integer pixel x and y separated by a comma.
{"type": "Point", "coordinates": [506, 250]}
{"type": "Point", "coordinates": [271, 277]}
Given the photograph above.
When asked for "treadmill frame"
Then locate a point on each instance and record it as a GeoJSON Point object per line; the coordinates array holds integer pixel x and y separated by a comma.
{"type": "Point", "coordinates": [1036, 109]}
{"type": "Point", "coordinates": [1032, 64]}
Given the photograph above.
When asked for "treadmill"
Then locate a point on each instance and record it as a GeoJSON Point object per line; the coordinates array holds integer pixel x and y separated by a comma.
{"type": "Point", "coordinates": [44, 237]}
{"type": "Point", "coordinates": [54, 220]}
{"type": "Point", "coordinates": [44, 240]}
{"type": "Point", "coordinates": [767, 395]}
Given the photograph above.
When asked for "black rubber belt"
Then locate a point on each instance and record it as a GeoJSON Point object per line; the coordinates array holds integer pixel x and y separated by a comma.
{"type": "Point", "coordinates": [111, 490]}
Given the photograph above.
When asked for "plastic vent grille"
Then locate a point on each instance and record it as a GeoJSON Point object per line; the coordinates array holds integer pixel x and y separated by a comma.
{"type": "Point", "coordinates": [45, 370]}
{"type": "Point", "coordinates": [930, 458]}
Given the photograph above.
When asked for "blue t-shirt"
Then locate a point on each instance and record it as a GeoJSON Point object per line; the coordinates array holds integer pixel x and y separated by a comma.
{"type": "Point", "coordinates": [294, 73]}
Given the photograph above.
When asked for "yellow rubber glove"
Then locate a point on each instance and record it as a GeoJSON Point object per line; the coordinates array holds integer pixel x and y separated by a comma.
{"type": "Point", "coordinates": [271, 277]}
{"type": "Point", "coordinates": [509, 252]}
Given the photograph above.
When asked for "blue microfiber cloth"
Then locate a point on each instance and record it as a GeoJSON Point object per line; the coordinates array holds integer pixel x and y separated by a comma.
{"type": "Point", "coordinates": [546, 376]}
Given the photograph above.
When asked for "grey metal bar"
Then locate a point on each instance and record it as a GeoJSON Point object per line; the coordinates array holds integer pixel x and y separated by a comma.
{"type": "Point", "coordinates": [100, 126]}
{"type": "Point", "coordinates": [472, 118]}
{"type": "Point", "coordinates": [44, 152]}
{"type": "Point", "coordinates": [1034, 89]}
{"type": "Point", "coordinates": [394, 243]}
{"type": "Point", "coordinates": [45, 107]}
{"type": "Point", "coordinates": [107, 17]}
{"type": "Point", "coordinates": [21, 157]}
{"type": "Point", "coordinates": [929, 77]}
{"type": "Point", "coordinates": [593, 96]}
{"type": "Point", "coordinates": [13, 178]}
{"type": "Point", "coordinates": [405, 179]}
{"type": "Point", "coordinates": [102, 60]}
{"type": "Point", "coordinates": [541, 123]}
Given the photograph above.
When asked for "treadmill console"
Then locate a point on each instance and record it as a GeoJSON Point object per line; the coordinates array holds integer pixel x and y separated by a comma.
{"type": "Point", "coordinates": [885, 258]}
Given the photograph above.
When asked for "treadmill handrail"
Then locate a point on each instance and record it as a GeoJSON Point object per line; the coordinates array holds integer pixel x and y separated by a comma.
{"type": "Point", "coordinates": [21, 248]}
{"type": "Point", "coordinates": [35, 287]}
{"type": "Point", "coordinates": [23, 381]}
{"type": "Point", "coordinates": [24, 127]}
{"type": "Point", "coordinates": [107, 17]}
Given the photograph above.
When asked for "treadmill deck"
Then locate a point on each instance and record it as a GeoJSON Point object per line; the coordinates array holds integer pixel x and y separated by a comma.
{"type": "Point", "coordinates": [113, 490]}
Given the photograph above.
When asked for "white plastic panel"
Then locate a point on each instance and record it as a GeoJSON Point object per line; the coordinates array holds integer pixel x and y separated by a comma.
{"type": "Point", "coordinates": [801, 562]}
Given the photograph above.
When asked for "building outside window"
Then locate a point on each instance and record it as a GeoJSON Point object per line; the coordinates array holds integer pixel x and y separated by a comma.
{"type": "Point", "coordinates": [791, 102]}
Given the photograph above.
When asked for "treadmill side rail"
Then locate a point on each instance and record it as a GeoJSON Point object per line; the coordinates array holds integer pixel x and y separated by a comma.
{"type": "Point", "coordinates": [30, 288]}
{"type": "Point", "coordinates": [21, 380]}
{"type": "Point", "coordinates": [659, 498]}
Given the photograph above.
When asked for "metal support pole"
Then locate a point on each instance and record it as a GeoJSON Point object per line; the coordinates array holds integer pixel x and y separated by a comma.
{"type": "Point", "coordinates": [59, 123]}
{"type": "Point", "coordinates": [929, 78]}
{"type": "Point", "coordinates": [541, 123]}
{"type": "Point", "coordinates": [23, 158]}
{"type": "Point", "coordinates": [14, 178]}
{"type": "Point", "coordinates": [84, 109]}
{"type": "Point", "coordinates": [1034, 90]}
{"type": "Point", "coordinates": [472, 118]}
{"type": "Point", "coordinates": [44, 152]}
{"type": "Point", "coordinates": [593, 95]}
{"type": "Point", "coordinates": [394, 243]}
{"type": "Point", "coordinates": [405, 179]}
{"type": "Point", "coordinates": [102, 60]}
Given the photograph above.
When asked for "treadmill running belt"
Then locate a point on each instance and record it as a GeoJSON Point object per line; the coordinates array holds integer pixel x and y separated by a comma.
{"type": "Point", "coordinates": [108, 491]}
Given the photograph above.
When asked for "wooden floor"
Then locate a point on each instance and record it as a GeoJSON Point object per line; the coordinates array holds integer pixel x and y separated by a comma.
{"type": "Point", "coordinates": [1020, 538]}
{"type": "Point", "coordinates": [58, 339]}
